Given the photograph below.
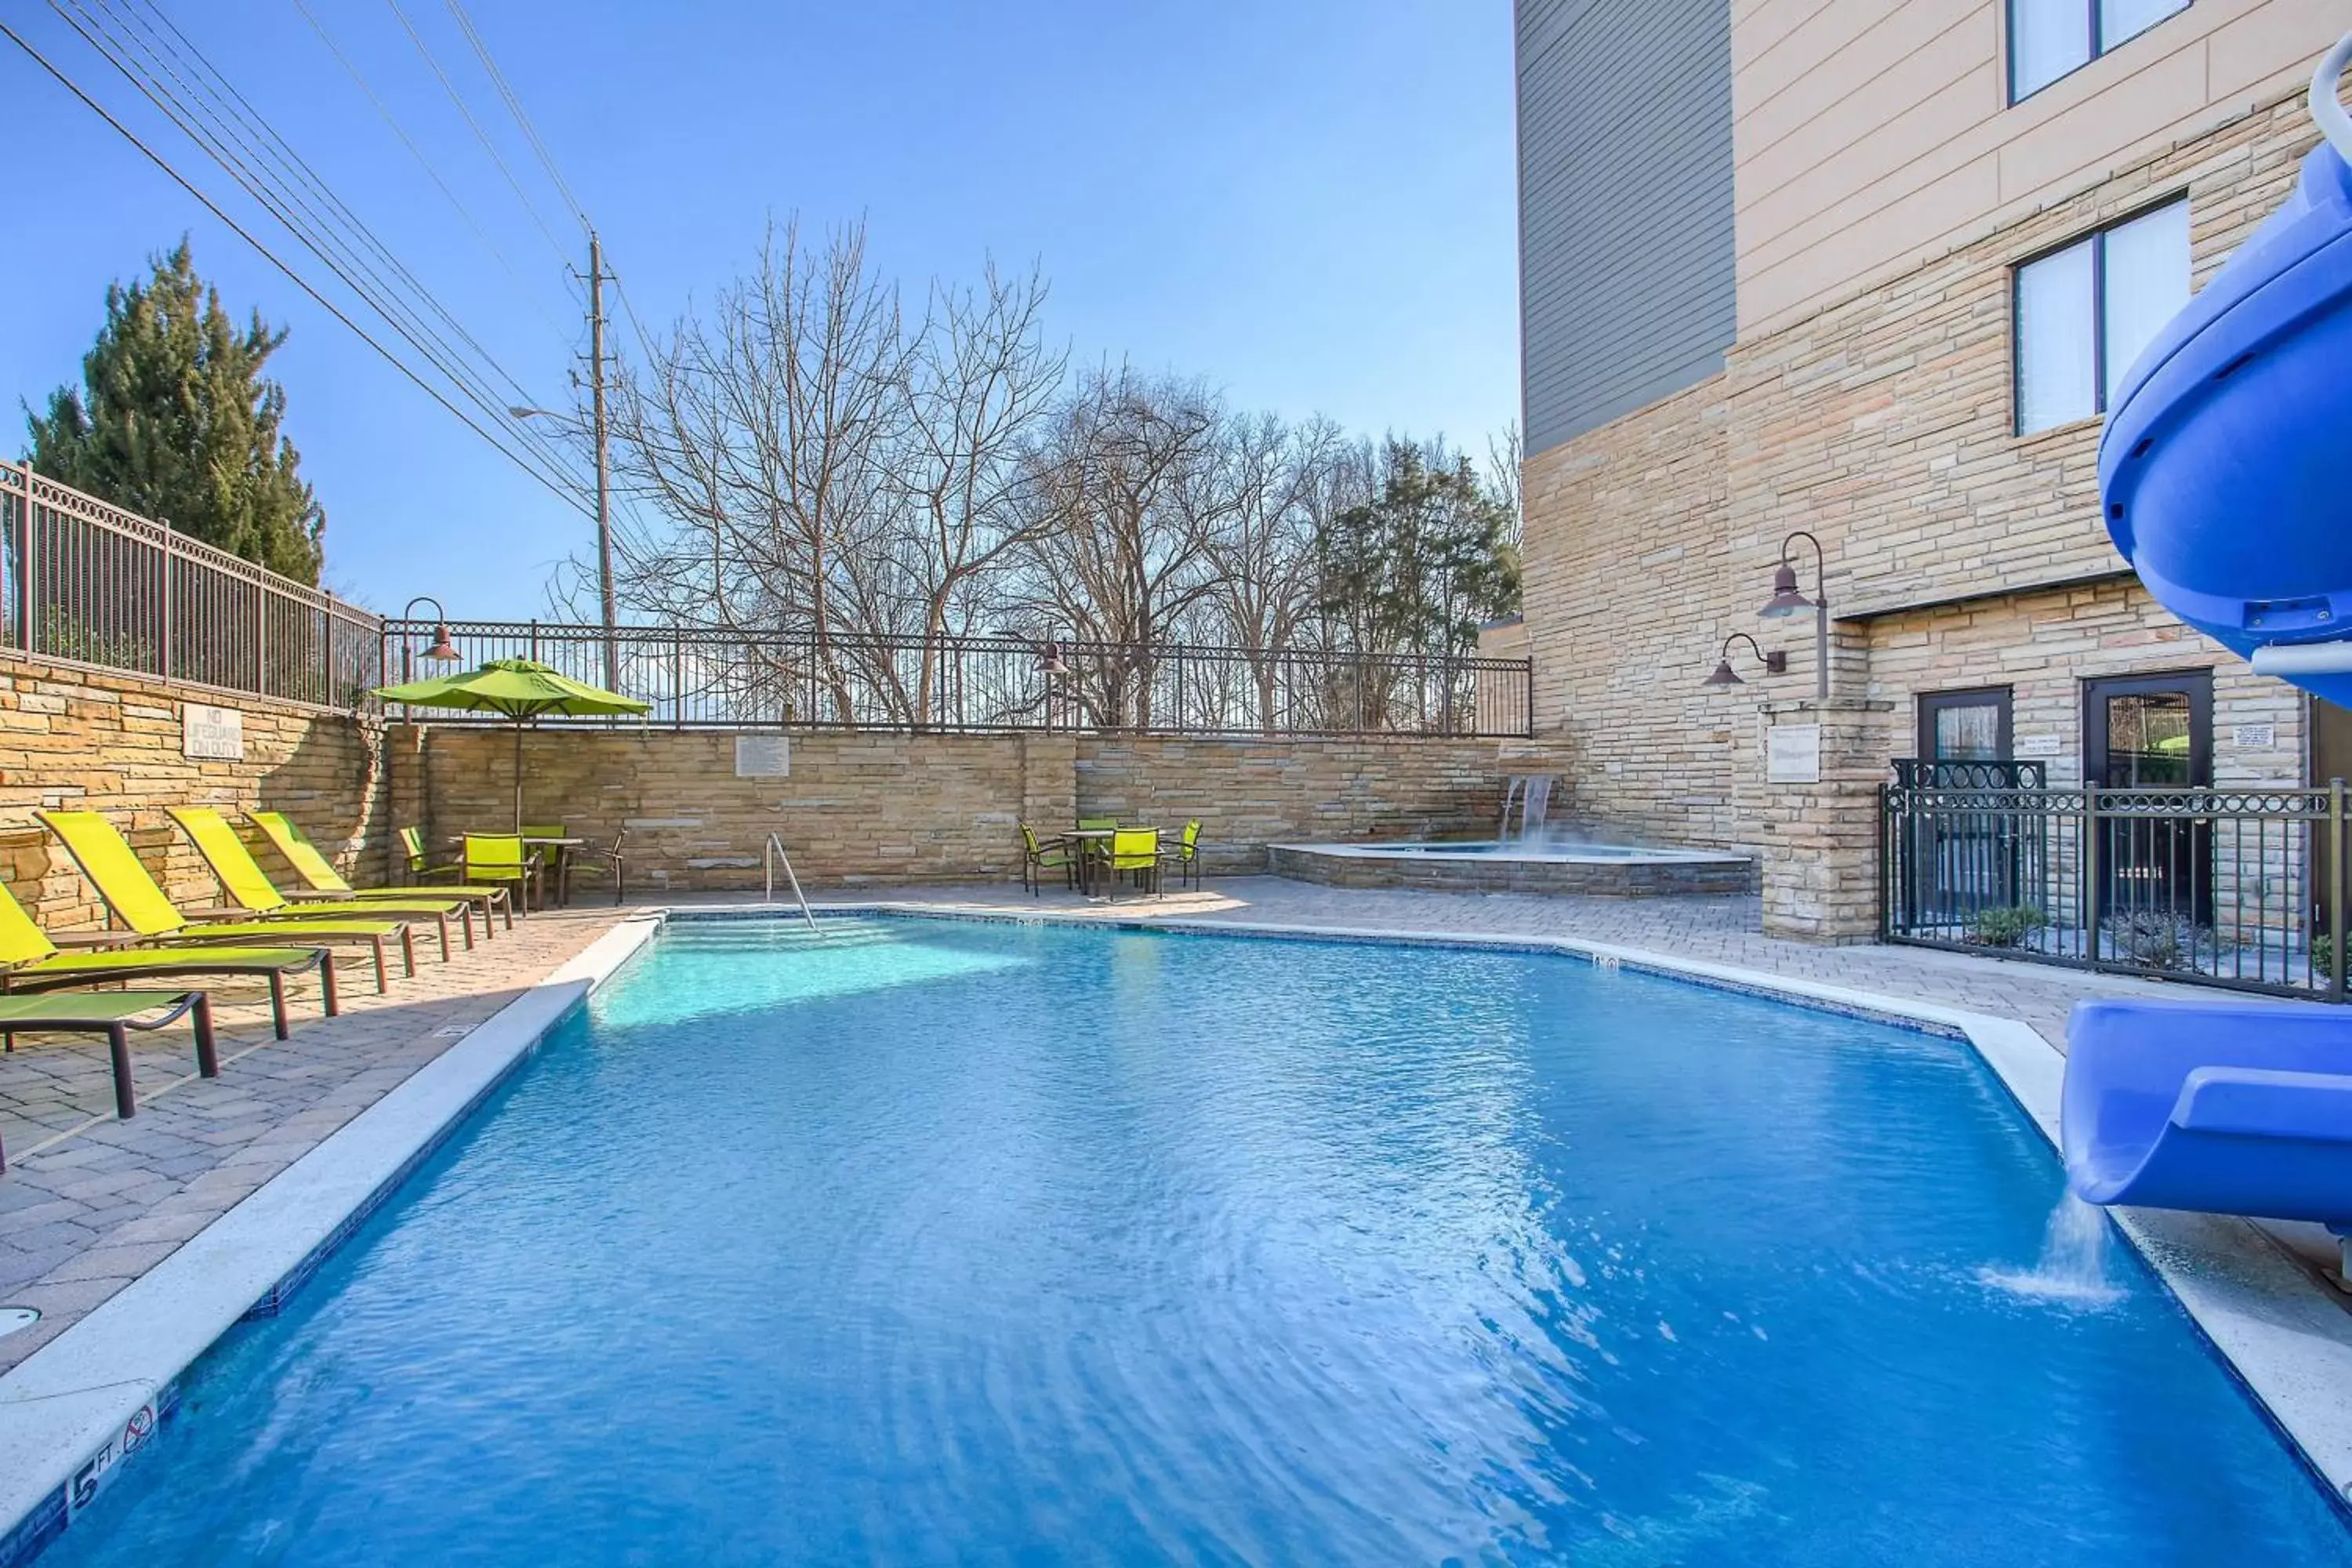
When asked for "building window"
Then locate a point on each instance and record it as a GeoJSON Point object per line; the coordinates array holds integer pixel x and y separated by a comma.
{"type": "Point", "coordinates": [2051, 38]}
{"type": "Point", "coordinates": [2084, 313]}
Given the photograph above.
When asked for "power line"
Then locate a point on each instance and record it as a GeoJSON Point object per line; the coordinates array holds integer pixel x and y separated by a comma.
{"type": "Point", "coordinates": [212, 135]}
{"type": "Point", "coordinates": [426, 164]}
{"type": "Point", "coordinates": [481, 136]}
{"type": "Point", "coordinates": [272, 258]}
{"type": "Point", "coordinates": [276, 147]}
{"type": "Point", "coordinates": [514, 107]}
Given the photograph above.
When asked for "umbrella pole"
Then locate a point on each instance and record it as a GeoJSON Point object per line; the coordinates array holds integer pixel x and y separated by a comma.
{"type": "Point", "coordinates": [519, 723]}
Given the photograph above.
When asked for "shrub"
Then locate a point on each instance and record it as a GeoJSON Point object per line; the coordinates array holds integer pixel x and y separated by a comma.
{"type": "Point", "coordinates": [2007, 927]}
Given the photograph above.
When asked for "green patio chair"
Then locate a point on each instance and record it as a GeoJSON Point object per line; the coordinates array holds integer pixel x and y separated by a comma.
{"type": "Point", "coordinates": [1186, 855]}
{"type": "Point", "coordinates": [112, 867]}
{"type": "Point", "coordinates": [30, 961]}
{"type": "Point", "coordinates": [322, 881]}
{"type": "Point", "coordinates": [113, 1013]}
{"type": "Point", "coordinates": [246, 885]}
{"type": "Point", "coordinates": [1037, 859]}
{"type": "Point", "coordinates": [1135, 851]}
{"type": "Point", "coordinates": [593, 863]}
{"type": "Point", "coordinates": [501, 857]}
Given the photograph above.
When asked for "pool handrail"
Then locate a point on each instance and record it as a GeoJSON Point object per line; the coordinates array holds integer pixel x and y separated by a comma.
{"type": "Point", "coordinates": [771, 853]}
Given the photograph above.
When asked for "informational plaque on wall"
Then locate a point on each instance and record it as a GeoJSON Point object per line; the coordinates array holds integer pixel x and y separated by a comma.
{"type": "Point", "coordinates": [214, 733]}
{"type": "Point", "coordinates": [764, 757]}
{"type": "Point", "coordinates": [1792, 754]}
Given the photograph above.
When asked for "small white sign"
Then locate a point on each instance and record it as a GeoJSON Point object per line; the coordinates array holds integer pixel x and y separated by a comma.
{"type": "Point", "coordinates": [212, 732]}
{"type": "Point", "coordinates": [764, 757]}
{"type": "Point", "coordinates": [2254, 737]}
{"type": "Point", "coordinates": [2038, 745]}
{"type": "Point", "coordinates": [1792, 754]}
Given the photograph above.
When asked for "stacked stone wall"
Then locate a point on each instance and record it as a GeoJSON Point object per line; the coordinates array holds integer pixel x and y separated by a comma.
{"type": "Point", "coordinates": [1960, 553]}
{"type": "Point", "coordinates": [882, 809]}
{"type": "Point", "coordinates": [84, 739]}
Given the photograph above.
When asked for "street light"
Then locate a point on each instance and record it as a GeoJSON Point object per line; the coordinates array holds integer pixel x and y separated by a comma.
{"type": "Point", "coordinates": [440, 651]}
{"type": "Point", "coordinates": [1788, 600]}
{"type": "Point", "coordinates": [1775, 663]}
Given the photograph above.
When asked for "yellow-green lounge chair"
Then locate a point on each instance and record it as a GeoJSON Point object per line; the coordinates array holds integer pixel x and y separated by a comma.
{"type": "Point", "coordinates": [241, 878]}
{"type": "Point", "coordinates": [33, 963]}
{"type": "Point", "coordinates": [113, 1013]}
{"type": "Point", "coordinates": [326, 882]}
{"type": "Point", "coordinates": [112, 867]}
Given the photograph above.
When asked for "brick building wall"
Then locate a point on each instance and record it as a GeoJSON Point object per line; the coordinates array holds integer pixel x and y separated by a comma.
{"type": "Point", "coordinates": [103, 740]}
{"type": "Point", "coordinates": [884, 809]}
{"type": "Point", "coordinates": [1960, 554]}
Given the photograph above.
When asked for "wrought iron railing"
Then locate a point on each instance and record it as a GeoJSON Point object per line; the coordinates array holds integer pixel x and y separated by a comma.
{"type": "Point", "coordinates": [698, 679]}
{"type": "Point", "coordinates": [89, 583]}
{"type": "Point", "coordinates": [2243, 888]}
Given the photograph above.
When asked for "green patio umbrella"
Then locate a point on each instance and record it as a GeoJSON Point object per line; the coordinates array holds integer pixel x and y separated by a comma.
{"type": "Point", "coordinates": [522, 689]}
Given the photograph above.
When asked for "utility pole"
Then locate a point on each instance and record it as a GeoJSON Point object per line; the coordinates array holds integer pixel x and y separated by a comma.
{"type": "Point", "coordinates": [603, 462]}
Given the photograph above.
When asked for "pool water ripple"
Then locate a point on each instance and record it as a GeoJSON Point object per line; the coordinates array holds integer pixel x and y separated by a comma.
{"type": "Point", "coordinates": [945, 1242]}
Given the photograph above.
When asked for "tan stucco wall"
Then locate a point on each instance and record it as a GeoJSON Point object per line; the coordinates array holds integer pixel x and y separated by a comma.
{"type": "Point", "coordinates": [1871, 136]}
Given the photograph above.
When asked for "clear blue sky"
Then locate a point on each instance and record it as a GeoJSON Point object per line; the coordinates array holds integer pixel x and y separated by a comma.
{"type": "Point", "coordinates": [1309, 203]}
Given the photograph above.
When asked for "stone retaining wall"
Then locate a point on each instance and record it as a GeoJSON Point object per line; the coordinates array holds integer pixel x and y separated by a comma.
{"type": "Point", "coordinates": [105, 741]}
{"type": "Point", "coordinates": [886, 808]}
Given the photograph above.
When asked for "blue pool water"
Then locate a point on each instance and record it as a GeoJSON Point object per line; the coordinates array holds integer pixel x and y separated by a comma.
{"type": "Point", "coordinates": [938, 1243]}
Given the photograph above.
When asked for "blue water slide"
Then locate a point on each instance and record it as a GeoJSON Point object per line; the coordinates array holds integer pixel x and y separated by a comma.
{"type": "Point", "coordinates": [2235, 1108]}
{"type": "Point", "coordinates": [2226, 476]}
{"type": "Point", "coordinates": [2226, 467]}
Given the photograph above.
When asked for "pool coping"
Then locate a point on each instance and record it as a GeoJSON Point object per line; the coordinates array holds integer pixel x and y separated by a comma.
{"type": "Point", "coordinates": [94, 1395]}
{"type": "Point", "coordinates": [71, 1411]}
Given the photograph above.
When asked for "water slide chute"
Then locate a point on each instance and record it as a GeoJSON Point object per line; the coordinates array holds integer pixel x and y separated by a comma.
{"type": "Point", "coordinates": [2225, 473]}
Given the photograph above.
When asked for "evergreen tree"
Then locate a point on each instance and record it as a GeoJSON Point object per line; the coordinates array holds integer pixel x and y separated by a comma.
{"type": "Point", "coordinates": [175, 422]}
{"type": "Point", "coordinates": [1418, 566]}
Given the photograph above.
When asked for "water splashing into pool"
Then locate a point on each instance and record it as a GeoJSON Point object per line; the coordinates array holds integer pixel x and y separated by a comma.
{"type": "Point", "coordinates": [2073, 1267]}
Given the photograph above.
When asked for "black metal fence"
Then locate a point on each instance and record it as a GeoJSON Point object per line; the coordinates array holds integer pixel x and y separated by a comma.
{"type": "Point", "coordinates": [696, 678]}
{"type": "Point", "coordinates": [2236, 888]}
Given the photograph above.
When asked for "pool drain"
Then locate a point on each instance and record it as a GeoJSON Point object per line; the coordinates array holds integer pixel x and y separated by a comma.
{"type": "Point", "coordinates": [15, 1318]}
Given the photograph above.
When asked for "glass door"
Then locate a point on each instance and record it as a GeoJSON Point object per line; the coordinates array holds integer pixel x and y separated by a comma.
{"type": "Point", "coordinates": [2153, 732]}
{"type": "Point", "coordinates": [1971, 858]}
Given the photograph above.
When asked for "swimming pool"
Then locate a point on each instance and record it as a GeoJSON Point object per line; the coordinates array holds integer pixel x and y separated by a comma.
{"type": "Point", "coordinates": [937, 1241]}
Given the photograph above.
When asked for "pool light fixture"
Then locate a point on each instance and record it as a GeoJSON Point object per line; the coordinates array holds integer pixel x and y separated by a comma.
{"type": "Point", "coordinates": [1775, 663]}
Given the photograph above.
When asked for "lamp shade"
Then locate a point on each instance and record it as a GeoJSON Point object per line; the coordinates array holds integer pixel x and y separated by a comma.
{"type": "Point", "coordinates": [441, 648]}
{"type": "Point", "coordinates": [1724, 674]}
{"type": "Point", "coordinates": [1786, 600]}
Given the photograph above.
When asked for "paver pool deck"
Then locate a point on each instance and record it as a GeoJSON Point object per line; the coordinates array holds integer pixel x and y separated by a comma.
{"type": "Point", "coordinates": [90, 1203]}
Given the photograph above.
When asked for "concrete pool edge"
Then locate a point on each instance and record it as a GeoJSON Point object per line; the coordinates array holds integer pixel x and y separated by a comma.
{"type": "Point", "coordinates": [2280, 1334]}
{"type": "Point", "coordinates": [90, 1397]}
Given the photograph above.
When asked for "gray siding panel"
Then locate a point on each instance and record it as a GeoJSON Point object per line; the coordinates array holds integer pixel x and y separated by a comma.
{"type": "Point", "coordinates": [1627, 291]}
